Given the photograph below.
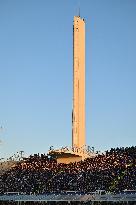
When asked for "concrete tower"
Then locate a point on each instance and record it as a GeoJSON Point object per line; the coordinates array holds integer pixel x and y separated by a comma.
{"type": "Point", "coordinates": [78, 151]}
{"type": "Point", "coordinates": [78, 114]}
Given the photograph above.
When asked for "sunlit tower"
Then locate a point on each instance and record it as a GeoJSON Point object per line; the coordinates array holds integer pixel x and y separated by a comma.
{"type": "Point", "coordinates": [79, 150]}
{"type": "Point", "coordinates": [78, 113]}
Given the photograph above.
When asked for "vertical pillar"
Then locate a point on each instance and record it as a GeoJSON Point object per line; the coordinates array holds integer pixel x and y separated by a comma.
{"type": "Point", "coordinates": [78, 113]}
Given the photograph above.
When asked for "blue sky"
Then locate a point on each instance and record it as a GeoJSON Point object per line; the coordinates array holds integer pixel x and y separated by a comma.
{"type": "Point", "coordinates": [36, 73]}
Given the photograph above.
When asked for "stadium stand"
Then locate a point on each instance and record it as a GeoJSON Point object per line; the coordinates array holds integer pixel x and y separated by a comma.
{"type": "Point", "coordinates": [113, 171]}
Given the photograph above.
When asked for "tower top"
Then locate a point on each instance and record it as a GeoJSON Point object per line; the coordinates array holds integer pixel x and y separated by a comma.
{"type": "Point", "coordinates": [79, 17]}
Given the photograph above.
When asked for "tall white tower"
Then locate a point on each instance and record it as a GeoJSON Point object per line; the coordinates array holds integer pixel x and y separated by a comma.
{"type": "Point", "coordinates": [78, 151]}
{"type": "Point", "coordinates": [78, 114]}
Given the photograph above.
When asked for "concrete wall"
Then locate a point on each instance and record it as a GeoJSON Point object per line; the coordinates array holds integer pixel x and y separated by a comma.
{"type": "Point", "coordinates": [67, 160]}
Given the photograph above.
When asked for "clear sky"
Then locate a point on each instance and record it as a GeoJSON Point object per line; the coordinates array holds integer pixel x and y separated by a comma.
{"type": "Point", "coordinates": [36, 73]}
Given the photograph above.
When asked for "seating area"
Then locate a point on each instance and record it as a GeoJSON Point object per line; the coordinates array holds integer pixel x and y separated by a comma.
{"type": "Point", "coordinates": [113, 171]}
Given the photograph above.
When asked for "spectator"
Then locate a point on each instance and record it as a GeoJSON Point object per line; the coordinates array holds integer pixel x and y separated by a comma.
{"type": "Point", "coordinates": [113, 171]}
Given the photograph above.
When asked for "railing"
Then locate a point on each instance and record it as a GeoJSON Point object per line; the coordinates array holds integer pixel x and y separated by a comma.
{"type": "Point", "coordinates": [82, 150]}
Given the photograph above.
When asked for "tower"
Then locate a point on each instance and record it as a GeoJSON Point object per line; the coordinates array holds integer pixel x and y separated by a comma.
{"type": "Point", "coordinates": [78, 113]}
{"type": "Point", "coordinates": [78, 151]}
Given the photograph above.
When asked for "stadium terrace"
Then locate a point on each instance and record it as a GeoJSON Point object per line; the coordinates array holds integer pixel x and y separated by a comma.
{"type": "Point", "coordinates": [113, 172]}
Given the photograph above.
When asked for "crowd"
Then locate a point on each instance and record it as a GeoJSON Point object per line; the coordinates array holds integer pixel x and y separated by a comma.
{"type": "Point", "coordinates": [54, 203]}
{"type": "Point", "coordinates": [113, 171]}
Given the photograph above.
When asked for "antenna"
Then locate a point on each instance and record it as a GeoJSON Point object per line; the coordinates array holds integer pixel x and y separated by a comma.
{"type": "Point", "coordinates": [1, 129]}
{"type": "Point", "coordinates": [79, 11]}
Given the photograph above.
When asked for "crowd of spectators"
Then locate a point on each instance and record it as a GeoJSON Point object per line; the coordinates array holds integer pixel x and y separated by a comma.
{"type": "Point", "coordinates": [62, 203]}
{"type": "Point", "coordinates": [113, 171]}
